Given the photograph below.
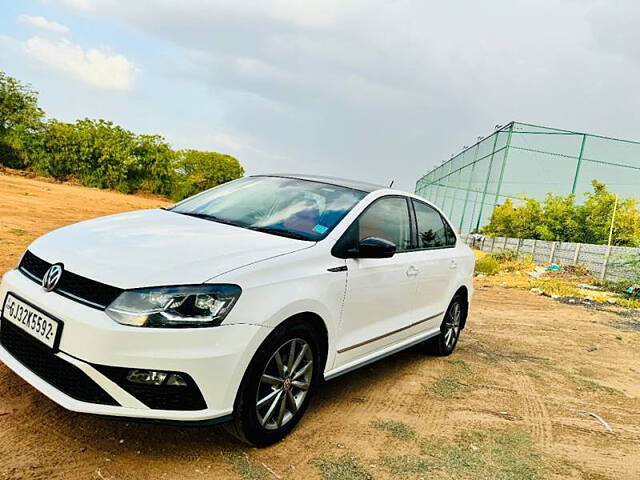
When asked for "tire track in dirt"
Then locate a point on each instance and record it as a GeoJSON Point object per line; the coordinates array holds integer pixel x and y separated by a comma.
{"type": "Point", "coordinates": [397, 390]}
{"type": "Point", "coordinates": [535, 414]}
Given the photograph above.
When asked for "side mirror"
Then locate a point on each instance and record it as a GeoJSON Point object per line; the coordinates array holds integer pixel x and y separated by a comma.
{"type": "Point", "coordinates": [373, 247]}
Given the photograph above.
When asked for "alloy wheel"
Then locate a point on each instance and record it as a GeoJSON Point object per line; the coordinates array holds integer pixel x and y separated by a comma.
{"type": "Point", "coordinates": [284, 384]}
{"type": "Point", "coordinates": [452, 325]}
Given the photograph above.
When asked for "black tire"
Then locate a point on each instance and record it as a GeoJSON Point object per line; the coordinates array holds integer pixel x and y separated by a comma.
{"type": "Point", "coordinates": [249, 423]}
{"type": "Point", "coordinates": [453, 322]}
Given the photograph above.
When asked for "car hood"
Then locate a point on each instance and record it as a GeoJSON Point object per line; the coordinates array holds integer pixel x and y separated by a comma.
{"type": "Point", "coordinates": [157, 247]}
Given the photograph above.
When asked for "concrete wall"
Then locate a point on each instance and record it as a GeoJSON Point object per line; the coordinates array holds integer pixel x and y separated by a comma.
{"type": "Point", "coordinates": [602, 261]}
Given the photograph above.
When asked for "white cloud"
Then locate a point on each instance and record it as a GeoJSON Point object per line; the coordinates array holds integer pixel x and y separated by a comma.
{"type": "Point", "coordinates": [350, 87]}
{"type": "Point", "coordinates": [44, 24]}
{"type": "Point", "coordinates": [96, 67]}
{"type": "Point", "coordinates": [79, 4]}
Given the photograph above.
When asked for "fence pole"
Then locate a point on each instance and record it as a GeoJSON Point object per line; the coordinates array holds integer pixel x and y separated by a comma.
{"type": "Point", "coordinates": [446, 182]}
{"type": "Point", "coordinates": [466, 196]}
{"type": "Point", "coordinates": [576, 254]}
{"type": "Point", "coordinates": [473, 212]}
{"type": "Point", "coordinates": [455, 193]}
{"type": "Point", "coordinates": [603, 274]}
{"type": "Point", "coordinates": [579, 164]}
{"type": "Point", "coordinates": [504, 164]}
{"type": "Point", "coordinates": [493, 242]}
{"type": "Point", "coordinates": [553, 251]}
{"type": "Point", "coordinates": [486, 182]}
{"type": "Point", "coordinates": [533, 250]}
{"type": "Point", "coordinates": [518, 246]}
{"type": "Point", "coordinates": [613, 219]}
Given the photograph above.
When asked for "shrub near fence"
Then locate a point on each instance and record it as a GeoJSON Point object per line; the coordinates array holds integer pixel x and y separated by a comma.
{"type": "Point", "coordinates": [599, 259]}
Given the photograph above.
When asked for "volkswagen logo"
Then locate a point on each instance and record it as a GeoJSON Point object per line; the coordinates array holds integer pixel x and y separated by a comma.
{"type": "Point", "coordinates": [52, 277]}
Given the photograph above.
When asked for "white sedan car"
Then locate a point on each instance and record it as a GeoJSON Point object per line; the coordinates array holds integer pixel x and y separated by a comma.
{"type": "Point", "coordinates": [233, 305]}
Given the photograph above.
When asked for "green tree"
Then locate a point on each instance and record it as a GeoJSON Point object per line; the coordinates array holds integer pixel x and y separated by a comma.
{"type": "Point", "coordinates": [198, 170]}
{"type": "Point", "coordinates": [503, 220]}
{"type": "Point", "coordinates": [20, 122]}
{"type": "Point", "coordinates": [530, 215]}
{"type": "Point", "coordinates": [99, 153]}
{"type": "Point", "coordinates": [154, 168]}
{"type": "Point", "coordinates": [507, 220]}
{"type": "Point", "coordinates": [559, 219]}
{"type": "Point", "coordinates": [559, 222]}
{"type": "Point", "coordinates": [594, 218]}
{"type": "Point", "coordinates": [96, 152]}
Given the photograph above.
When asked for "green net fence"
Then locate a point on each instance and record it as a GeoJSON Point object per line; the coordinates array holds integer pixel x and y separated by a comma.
{"type": "Point", "coordinates": [523, 159]}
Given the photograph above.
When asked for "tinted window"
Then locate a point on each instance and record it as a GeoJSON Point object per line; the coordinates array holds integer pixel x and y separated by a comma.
{"type": "Point", "coordinates": [451, 236]}
{"type": "Point", "coordinates": [432, 232]}
{"type": "Point", "coordinates": [387, 218]}
{"type": "Point", "coordinates": [281, 206]}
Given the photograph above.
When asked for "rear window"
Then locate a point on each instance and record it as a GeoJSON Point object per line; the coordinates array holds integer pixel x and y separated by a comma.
{"type": "Point", "coordinates": [433, 230]}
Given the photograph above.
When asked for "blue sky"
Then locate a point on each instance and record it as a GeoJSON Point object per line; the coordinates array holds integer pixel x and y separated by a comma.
{"type": "Point", "coordinates": [368, 89]}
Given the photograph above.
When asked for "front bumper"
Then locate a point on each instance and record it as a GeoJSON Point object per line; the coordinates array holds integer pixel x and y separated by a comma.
{"type": "Point", "coordinates": [215, 358]}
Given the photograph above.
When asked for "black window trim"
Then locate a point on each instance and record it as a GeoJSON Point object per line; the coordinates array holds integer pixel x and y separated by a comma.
{"type": "Point", "coordinates": [340, 253]}
{"type": "Point", "coordinates": [444, 222]}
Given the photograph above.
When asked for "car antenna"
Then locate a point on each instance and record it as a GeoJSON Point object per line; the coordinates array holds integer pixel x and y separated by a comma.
{"type": "Point", "coordinates": [391, 184]}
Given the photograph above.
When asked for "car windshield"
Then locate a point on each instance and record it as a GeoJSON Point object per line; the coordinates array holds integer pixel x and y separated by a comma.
{"type": "Point", "coordinates": [289, 207]}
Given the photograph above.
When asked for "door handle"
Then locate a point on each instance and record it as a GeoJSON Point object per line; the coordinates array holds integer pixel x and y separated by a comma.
{"type": "Point", "coordinates": [453, 264]}
{"type": "Point", "coordinates": [412, 271]}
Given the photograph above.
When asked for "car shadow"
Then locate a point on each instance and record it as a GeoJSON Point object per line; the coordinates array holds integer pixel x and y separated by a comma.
{"type": "Point", "coordinates": [109, 438]}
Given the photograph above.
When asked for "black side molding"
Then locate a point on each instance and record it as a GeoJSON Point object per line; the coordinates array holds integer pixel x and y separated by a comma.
{"type": "Point", "coordinates": [343, 268]}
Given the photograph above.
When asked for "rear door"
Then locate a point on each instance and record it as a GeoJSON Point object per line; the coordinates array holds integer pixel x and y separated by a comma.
{"type": "Point", "coordinates": [380, 298]}
{"type": "Point", "coordinates": [436, 263]}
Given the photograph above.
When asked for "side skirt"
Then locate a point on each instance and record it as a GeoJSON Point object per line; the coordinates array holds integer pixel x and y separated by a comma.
{"type": "Point", "coordinates": [350, 368]}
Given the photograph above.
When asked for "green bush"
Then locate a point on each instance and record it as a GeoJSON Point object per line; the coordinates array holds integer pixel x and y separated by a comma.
{"type": "Point", "coordinates": [505, 255]}
{"type": "Point", "coordinates": [197, 171]}
{"type": "Point", "coordinates": [488, 265]}
{"type": "Point", "coordinates": [101, 154]}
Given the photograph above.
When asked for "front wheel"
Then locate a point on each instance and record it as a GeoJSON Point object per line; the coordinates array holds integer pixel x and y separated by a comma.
{"type": "Point", "coordinates": [445, 342]}
{"type": "Point", "coordinates": [277, 386]}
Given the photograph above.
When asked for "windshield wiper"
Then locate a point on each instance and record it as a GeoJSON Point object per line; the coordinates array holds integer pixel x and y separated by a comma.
{"type": "Point", "coordinates": [283, 232]}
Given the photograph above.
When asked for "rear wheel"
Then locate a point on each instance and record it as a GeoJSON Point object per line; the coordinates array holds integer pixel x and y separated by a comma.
{"type": "Point", "coordinates": [277, 386]}
{"type": "Point", "coordinates": [445, 342]}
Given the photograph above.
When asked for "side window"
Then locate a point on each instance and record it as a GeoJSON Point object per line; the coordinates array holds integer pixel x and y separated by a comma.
{"type": "Point", "coordinates": [387, 218]}
{"type": "Point", "coordinates": [431, 229]}
{"type": "Point", "coordinates": [451, 236]}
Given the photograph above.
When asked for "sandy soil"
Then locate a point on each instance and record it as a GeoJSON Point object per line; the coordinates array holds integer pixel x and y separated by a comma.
{"type": "Point", "coordinates": [525, 363]}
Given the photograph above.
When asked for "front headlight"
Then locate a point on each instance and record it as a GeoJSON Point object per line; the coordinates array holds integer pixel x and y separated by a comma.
{"type": "Point", "coordinates": [182, 306]}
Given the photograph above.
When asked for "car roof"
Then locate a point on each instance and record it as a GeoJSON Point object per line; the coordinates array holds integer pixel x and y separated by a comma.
{"type": "Point", "coordinates": [341, 182]}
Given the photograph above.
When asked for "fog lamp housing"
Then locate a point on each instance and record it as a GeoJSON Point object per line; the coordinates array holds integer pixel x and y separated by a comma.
{"type": "Point", "coordinates": [156, 378]}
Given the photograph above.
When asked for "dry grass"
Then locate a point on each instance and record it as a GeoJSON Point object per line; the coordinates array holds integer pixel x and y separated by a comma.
{"type": "Point", "coordinates": [345, 467]}
{"type": "Point", "coordinates": [479, 454]}
{"type": "Point", "coordinates": [246, 468]}
{"type": "Point", "coordinates": [399, 430]}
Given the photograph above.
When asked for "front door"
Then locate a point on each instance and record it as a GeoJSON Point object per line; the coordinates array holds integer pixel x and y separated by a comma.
{"type": "Point", "coordinates": [380, 297]}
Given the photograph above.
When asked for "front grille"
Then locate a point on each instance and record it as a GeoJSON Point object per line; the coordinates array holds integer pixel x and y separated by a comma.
{"type": "Point", "coordinates": [158, 397]}
{"type": "Point", "coordinates": [34, 265]}
{"type": "Point", "coordinates": [57, 372]}
{"type": "Point", "coordinates": [84, 290]}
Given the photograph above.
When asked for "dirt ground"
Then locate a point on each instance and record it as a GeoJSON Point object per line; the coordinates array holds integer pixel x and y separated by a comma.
{"type": "Point", "coordinates": [504, 405]}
